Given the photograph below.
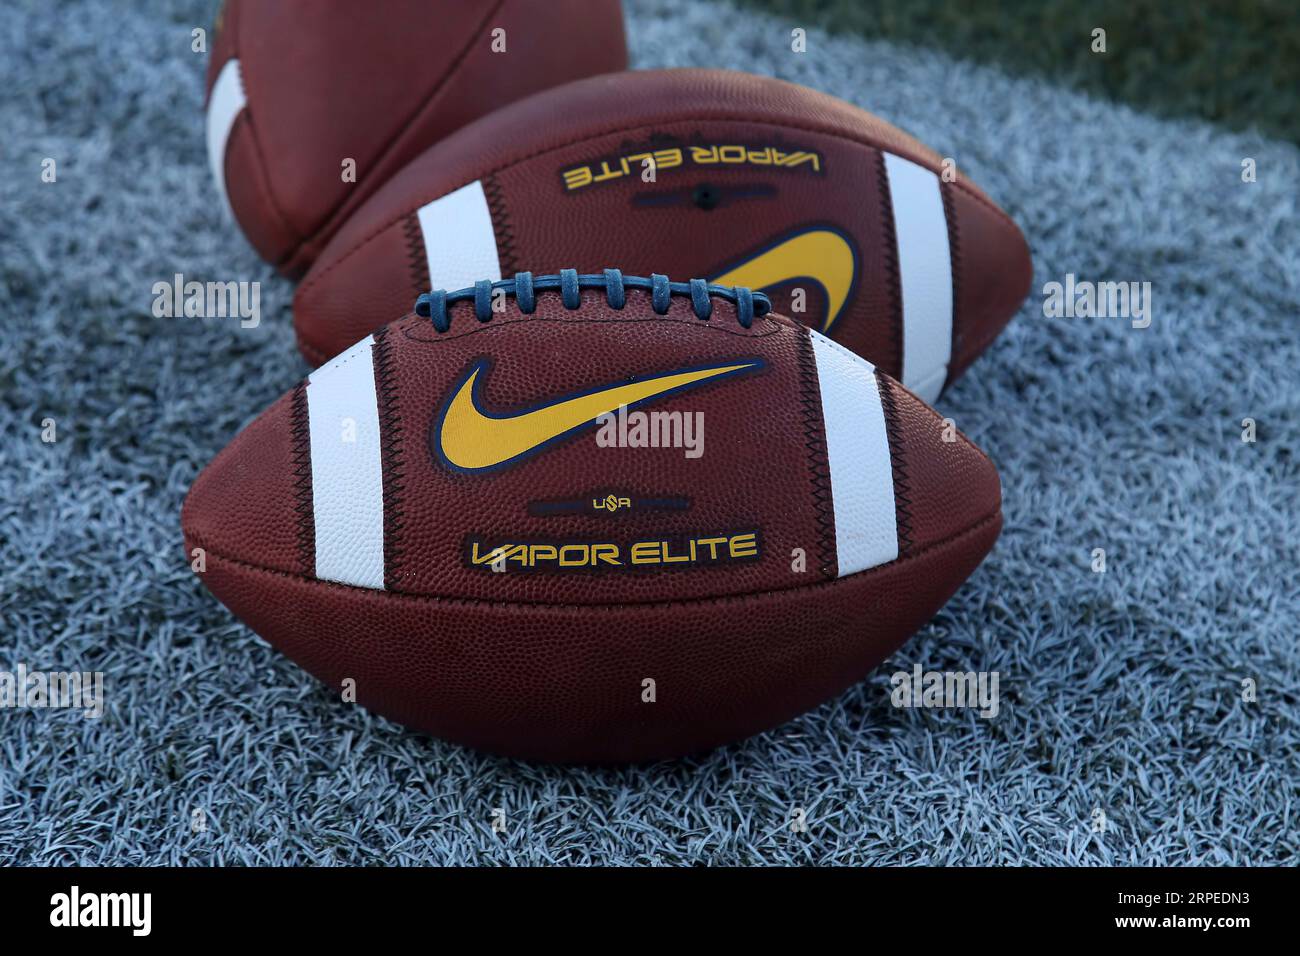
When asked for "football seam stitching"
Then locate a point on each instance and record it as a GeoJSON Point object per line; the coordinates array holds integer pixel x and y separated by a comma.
{"type": "Point", "coordinates": [503, 228]}
{"type": "Point", "coordinates": [954, 262]}
{"type": "Point", "coordinates": [318, 356]}
{"type": "Point", "coordinates": [898, 465]}
{"type": "Point", "coordinates": [951, 540]}
{"type": "Point", "coordinates": [818, 461]}
{"type": "Point", "coordinates": [379, 230]}
{"type": "Point", "coordinates": [415, 251]}
{"type": "Point", "coordinates": [390, 430]}
{"type": "Point", "coordinates": [977, 346]}
{"type": "Point", "coordinates": [304, 505]}
{"type": "Point", "coordinates": [940, 419]}
{"type": "Point", "coordinates": [771, 325]}
{"type": "Point", "coordinates": [314, 355]}
{"type": "Point", "coordinates": [889, 253]}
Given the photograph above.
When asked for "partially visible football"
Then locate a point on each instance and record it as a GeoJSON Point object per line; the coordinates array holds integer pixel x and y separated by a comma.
{"type": "Point", "coordinates": [850, 225]}
{"type": "Point", "coordinates": [593, 518]}
{"type": "Point", "coordinates": [310, 110]}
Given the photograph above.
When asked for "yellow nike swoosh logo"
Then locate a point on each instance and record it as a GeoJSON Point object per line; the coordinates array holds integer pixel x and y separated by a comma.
{"type": "Point", "coordinates": [471, 439]}
{"type": "Point", "coordinates": [823, 256]}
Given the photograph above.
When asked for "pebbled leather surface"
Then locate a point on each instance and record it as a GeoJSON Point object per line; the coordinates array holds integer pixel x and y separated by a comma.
{"type": "Point", "coordinates": [378, 84]}
{"type": "Point", "coordinates": [752, 475]}
{"type": "Point", "coordinates": [993, 275]}
{"type": "Point", "coordinates": [546, 662]}
{"type": "Point", "coordinates": [247, 501]}
{"type": "Point", "coordinates": [565, 683]}
{"type": "Point", "coordinates": [370, 273]}
{"type": "Point", "coordinates": [945, 485]}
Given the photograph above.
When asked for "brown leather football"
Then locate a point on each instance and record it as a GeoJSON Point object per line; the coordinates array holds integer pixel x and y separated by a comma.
{"type": "Point", "coordinates": [295, 89]}
{"type": "Point", "coordinates": [849, 224]}
{"type": "Point", "coordinates": [593, 518]}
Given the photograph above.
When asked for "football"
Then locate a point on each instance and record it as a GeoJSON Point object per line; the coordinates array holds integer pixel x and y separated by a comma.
{"type": "Point", "coordinates": [590, 517]}
{"type": "Point", "coordinates": [309, 112]}
{"type": "Point", "coordinates": [848, 224]}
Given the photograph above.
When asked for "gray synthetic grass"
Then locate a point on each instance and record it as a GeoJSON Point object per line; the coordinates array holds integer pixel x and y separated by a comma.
{"type": "Point", "coordinates": [1121, 692]}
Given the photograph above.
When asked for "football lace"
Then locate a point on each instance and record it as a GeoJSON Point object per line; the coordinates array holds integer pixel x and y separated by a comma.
{"type": "Point", "coordinates": [524, 287]}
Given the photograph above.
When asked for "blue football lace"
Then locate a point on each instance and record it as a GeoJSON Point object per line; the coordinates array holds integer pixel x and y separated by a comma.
{"type": "Point", "coordinates": [525, 288]}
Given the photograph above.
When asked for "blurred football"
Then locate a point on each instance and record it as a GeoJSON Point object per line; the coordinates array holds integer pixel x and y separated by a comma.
{"type": "Point", "coordinates": [298, 95]}
{"type": "Point", "coordinates": [847, 223]}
